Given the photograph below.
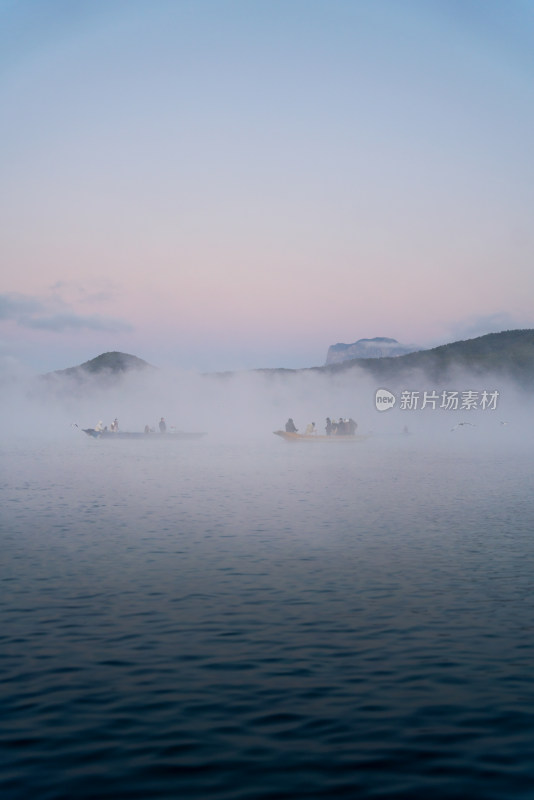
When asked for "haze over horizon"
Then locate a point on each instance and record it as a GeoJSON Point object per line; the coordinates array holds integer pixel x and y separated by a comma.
{"type": "Point", "coordinates": [221, 186]}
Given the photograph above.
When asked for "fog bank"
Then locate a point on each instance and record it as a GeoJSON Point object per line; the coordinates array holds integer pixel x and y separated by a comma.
{"type": "Point", "coordinates": [250, 405]}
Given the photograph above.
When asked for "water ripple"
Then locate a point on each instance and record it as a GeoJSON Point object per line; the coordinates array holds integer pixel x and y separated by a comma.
{"type": "Point", "coordinates": [265, 627]}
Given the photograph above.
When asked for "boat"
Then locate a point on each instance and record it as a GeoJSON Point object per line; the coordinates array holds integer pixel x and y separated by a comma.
{"type": "Point", "coordinates": [312, 437]}
{"type": "Point", "coordinates": [169, 435]}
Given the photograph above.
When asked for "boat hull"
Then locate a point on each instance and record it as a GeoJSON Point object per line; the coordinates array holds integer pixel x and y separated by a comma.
{"type": "Point", "coordinates": [303, 437]}
{"type": "Point", "coordinates": [170, 436]}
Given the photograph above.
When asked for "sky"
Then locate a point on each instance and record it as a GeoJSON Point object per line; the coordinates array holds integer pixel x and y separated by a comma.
{"type": "Point", "coordinates": [229, 184]}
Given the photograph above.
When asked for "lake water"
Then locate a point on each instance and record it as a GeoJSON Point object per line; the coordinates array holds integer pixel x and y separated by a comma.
{"type": "Point", "coordinates": [252, 620]}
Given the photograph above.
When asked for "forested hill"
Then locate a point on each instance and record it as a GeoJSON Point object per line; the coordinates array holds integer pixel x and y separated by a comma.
{"type": "Point", "coordinates": [110, 364]}
{"type": "Point", "coordinates": [509, 354]}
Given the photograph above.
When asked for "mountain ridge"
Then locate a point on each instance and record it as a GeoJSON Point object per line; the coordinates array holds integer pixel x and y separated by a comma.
{"type": "Point", "coordinates": [508, 353]}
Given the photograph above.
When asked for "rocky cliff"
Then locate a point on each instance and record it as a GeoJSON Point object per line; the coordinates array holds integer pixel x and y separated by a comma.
{"type": "Point", "coordinates": [379, 347]}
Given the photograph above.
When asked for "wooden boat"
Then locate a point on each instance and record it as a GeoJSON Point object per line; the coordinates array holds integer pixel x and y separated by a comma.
{"type": "Point", "coordinates": [312, 437]}
{"type": "Point", "coordinates": [169, 435]}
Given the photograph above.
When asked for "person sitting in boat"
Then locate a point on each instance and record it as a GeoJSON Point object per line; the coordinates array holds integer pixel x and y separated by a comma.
{"type": "Point", "coordinates": [310, 429]}
{"type": "Point", "coordinates": [351, 427]}
{"type": "Point", "coordinates": [290, 426]}
{"type": "Point", "coordinates": [328, 426]}
{"type": "Point", "coordinates": [162, 426]}
{"type": "Point", "coordinates": [99, 426]}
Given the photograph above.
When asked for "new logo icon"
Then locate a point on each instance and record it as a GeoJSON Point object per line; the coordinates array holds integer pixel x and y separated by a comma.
{"type": "Point", "coordinates": [384, 399]}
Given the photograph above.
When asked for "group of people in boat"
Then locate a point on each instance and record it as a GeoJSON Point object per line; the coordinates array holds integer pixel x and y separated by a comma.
{"type": "Point", "coordinates": [162, 427]}
{"type": "Point", "coordinates": [114, 426]}
{"type": "Point", "coordinates": [343, 427]}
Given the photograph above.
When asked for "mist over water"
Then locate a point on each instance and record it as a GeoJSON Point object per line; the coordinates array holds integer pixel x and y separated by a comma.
{"type": "Point", "coordinates": [236, 617]}
{"type": "Point", "coordinates": [250, 404]}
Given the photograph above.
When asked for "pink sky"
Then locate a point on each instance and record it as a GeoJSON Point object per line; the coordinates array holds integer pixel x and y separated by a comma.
{"type": "Point", "coordinates": [243, 185]}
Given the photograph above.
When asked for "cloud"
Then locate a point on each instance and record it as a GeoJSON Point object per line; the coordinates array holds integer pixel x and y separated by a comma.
{"type": "Point", "coordinates": [13, 306]}
{"type": "Point", "coordinates": [98, 291]}
{"type": "Point", "coordinates": [30, 312]}
{"type": "Point", "coordinates": [62, 322]}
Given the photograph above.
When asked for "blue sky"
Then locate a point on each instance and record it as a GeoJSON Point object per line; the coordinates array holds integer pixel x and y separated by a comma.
{"type": "Point", "coordinates": [224, 185]}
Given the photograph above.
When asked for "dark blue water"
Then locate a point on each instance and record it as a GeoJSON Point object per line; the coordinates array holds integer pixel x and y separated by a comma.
{"type": "Point", "coordinates": [257, 620]}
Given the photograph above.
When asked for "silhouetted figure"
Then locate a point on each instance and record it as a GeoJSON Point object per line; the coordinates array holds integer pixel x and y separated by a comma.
{"type": "Point", "coordinates": [328, 427]}
{"type": "Point", "coordinates": [290, 426]}
{"type": "Point", "coordinates": [351, 427]}
{"type": "Point", "coordinates": [162, 426]}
